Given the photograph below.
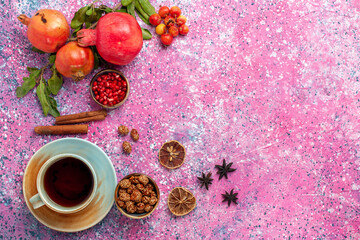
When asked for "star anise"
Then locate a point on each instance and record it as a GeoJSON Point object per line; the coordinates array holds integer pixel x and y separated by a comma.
{"type": "Point", "coordinates": [224, 169]}
{"type": "Point", "coordinates": [230, 197]}
{"type": "Point", "coordinates": [205, 180]}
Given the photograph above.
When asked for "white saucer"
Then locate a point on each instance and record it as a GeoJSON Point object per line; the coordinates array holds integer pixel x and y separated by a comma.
{"type": "Point", "coordinates": [104, 197]}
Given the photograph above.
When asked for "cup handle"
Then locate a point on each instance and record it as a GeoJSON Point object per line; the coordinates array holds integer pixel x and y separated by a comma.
{"type": "Point", "coordinates": [36, 201]}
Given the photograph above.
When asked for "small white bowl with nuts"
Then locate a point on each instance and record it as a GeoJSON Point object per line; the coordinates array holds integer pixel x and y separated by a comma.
{"type": "Point", "coordinates": [137, 196]}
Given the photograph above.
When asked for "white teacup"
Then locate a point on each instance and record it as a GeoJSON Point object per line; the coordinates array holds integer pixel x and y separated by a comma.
{"type": "Point", "coordinates": [42, 197]}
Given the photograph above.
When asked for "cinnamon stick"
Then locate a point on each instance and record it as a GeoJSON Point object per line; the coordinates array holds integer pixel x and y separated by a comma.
{"type": "Point", "coordinates": [62, 129]}
{"type": "Point", "coordinates": [81, 117]}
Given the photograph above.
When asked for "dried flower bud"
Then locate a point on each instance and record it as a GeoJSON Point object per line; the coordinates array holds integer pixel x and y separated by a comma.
{"type": "Point", "coordinates": [134, 135]}
{"type": "Point", "coordinates": [143, 179]}
{"type": "Point", "coordinates": [125, 183]}
{"type": "Point", "coordinates": [126, 147]}
{"type": "Point", "coordinates": [123, 130]}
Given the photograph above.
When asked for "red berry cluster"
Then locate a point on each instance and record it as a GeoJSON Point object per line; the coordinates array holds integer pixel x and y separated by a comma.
{"type": "Point", "coordinates": [109, 89]}
{"type": "Point", "coordinates": [174, 23]}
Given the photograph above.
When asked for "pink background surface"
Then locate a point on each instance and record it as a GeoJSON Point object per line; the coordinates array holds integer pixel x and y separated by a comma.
{"type": "Point", "coordinates": [272, 86]}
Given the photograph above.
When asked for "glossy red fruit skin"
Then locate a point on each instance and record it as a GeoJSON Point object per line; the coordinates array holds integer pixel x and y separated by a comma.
{"type": "Point", "coordinates": [183, 29]}
{"type": "Point", "coordinates": [118, 38]}
{"type": "Point", "coordinates": [74, 61]}
{"type": "Point", "coordinates": [155, 19]}
{"type": "Point", "coordinates": [164, 11]}
{"type": "Point", "coordinates": [166, 39]}
{"type": "Point", "coordinates": [175, 11]}
{"type": "Point", "coordinates": [174, 31]}
{"type": "Point", "coordinates": [181, 20]}
{"type": "Point", "coordinates": [169, 21]}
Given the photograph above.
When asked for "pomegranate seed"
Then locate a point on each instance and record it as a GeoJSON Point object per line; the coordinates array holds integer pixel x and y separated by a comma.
{"type": "Point", "coordinates": [109, 89]}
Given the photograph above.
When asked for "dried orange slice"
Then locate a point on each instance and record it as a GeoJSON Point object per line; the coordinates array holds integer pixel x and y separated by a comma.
{"type": "Point", "coordinates": [172, 154]}
{"type": "Point", "coordinates": [181, 201]}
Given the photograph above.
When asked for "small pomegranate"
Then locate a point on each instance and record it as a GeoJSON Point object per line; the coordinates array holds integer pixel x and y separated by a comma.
{"type": "Point", "coordinates": [47, 30]}
{"type": "Point", "coordinates": [74, 61]}
{"type": "Point", "coordinates": [118, 38]}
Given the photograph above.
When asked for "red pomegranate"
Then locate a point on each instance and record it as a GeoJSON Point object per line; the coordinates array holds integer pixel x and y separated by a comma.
{"type": "Point", "coordinates": [74, 61]}
{"type": "Point", "coordinates": [47, 30]}
{"type": "Point", "coordinates": [118, 38]}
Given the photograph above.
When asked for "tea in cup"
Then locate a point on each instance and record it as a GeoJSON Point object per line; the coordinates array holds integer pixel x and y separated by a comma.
{"type": "Point", "coordinates": [66, 183]}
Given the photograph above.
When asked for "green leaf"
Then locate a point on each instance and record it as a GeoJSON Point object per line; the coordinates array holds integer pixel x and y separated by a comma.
{"type": "Point", "coordinates": [55, 82]}
{"type": "Point", "coordinates": [27, 85]}
{"type": "Point", "coordinates": [43, 97]}
{"type": "Point", "coordinates": [29, 82]}
{"type": "Point", "coordinates": [75, 31]}
{"type": "Point", "coordinates": [95, 16]}
{"type": "Point", "coordinates": [131, 9]}
{"type": "Point", "coordinates": [87, 24]}
{"type": "Point", "coordinates": [142, 17]}
{"type": "Point", "coordinates": [89, 12]}
{"type": "Point", "coordinates": [108, 10]}
{"type": "Point", "coordinates": [146, 34]}
{"type": "Point", "coordinates": [148, 8]}
{"type": "Point", "coordinates": [96, 61]}
{"type": "Point", "coordinates": [123, 10]}
{"type": "Point", "coordinates": [37, 50]}
{"type": "Point", "coordinates": [79, 18]}
{"type": "Point", "coordinates": [53, 107]}
{"type": "Point", "coordinates": [52, 58]}
{"type": "Point", "coordinates": [32, 69]}
{"type": "Point", "coordinates": [126, 2]}
{"type": "Point", "coordinates": [48, 103]}
{"type": "Point", "coordinates": [105, 9]}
